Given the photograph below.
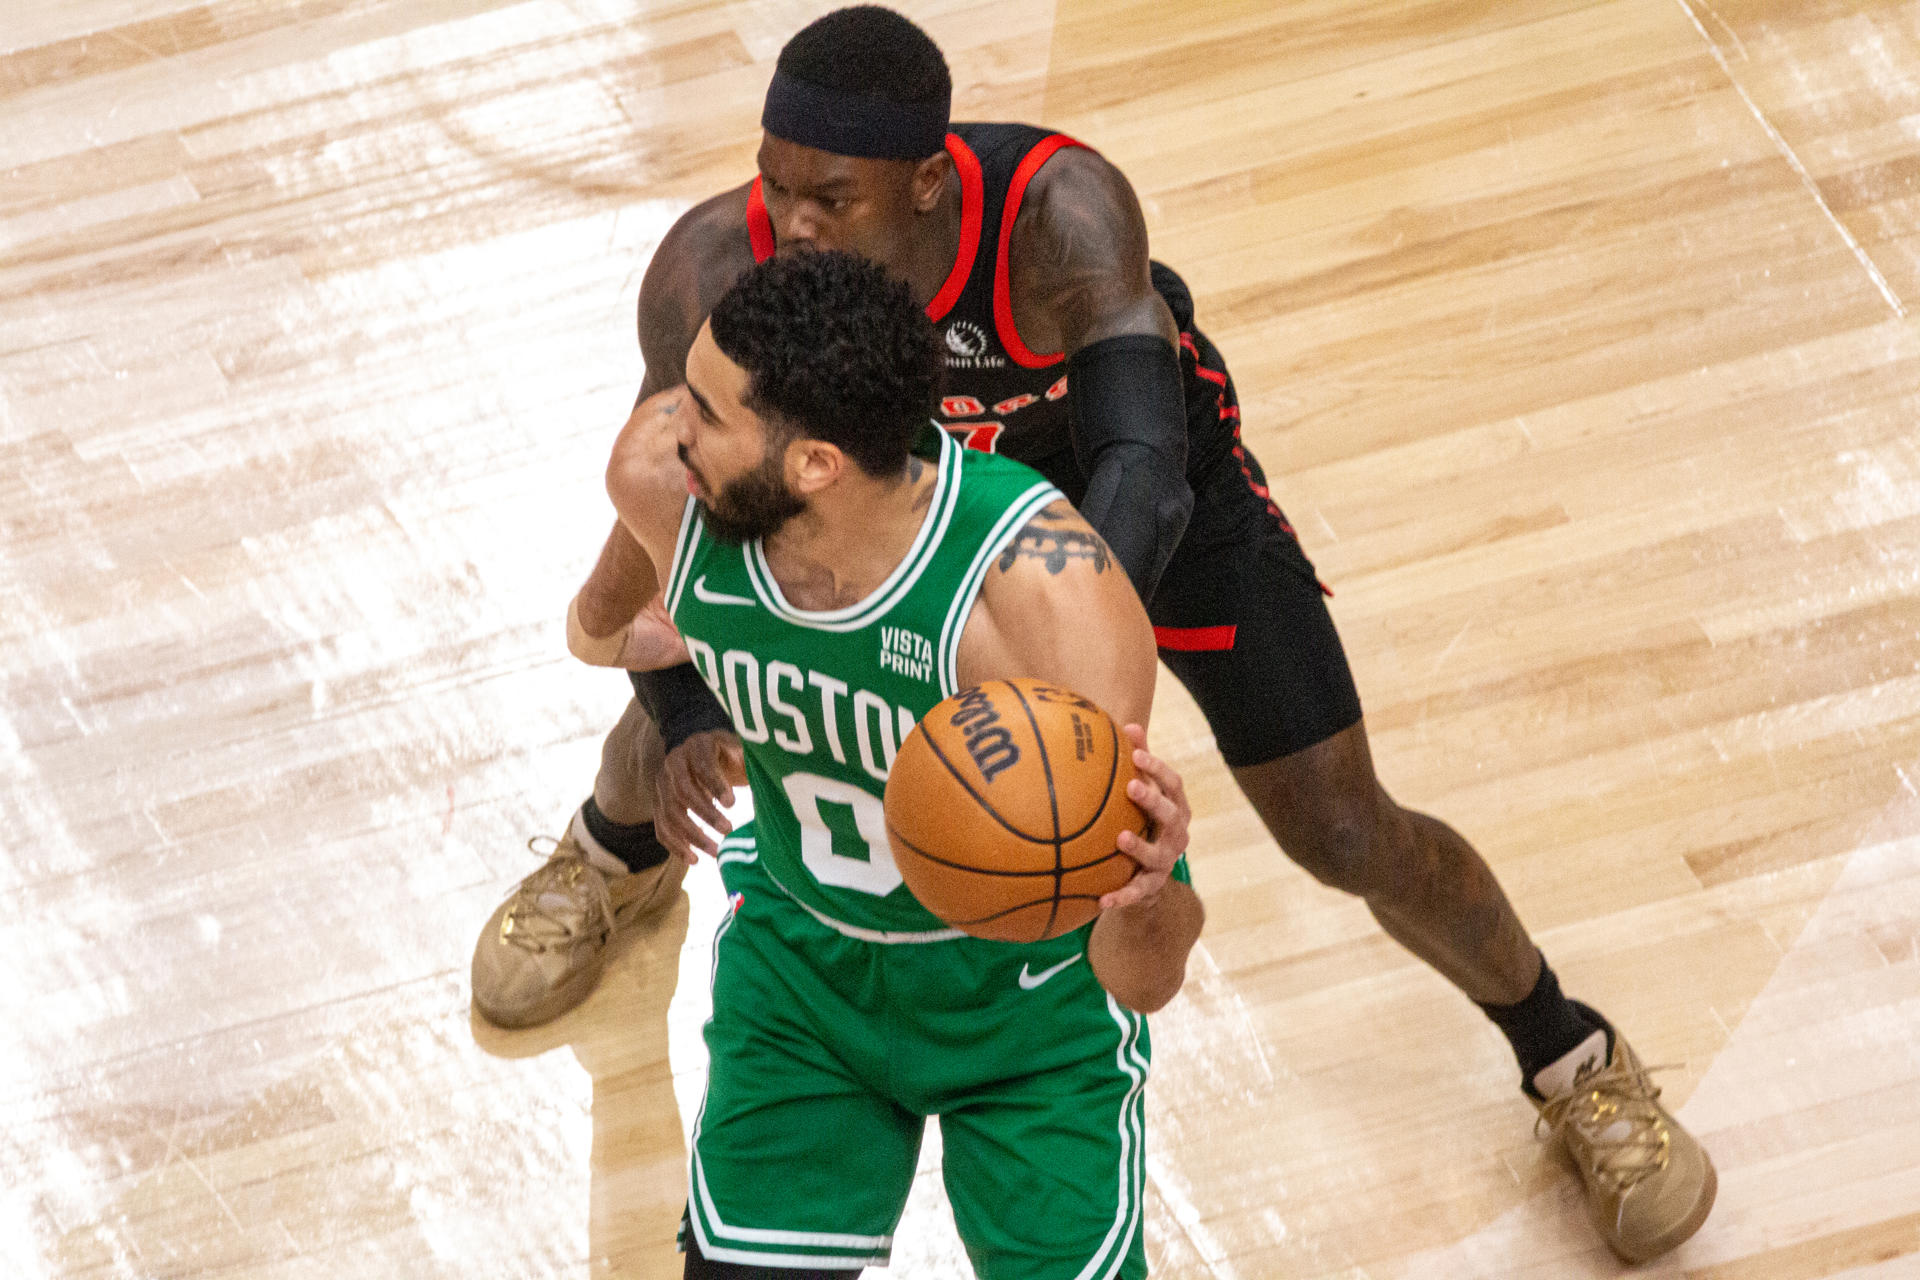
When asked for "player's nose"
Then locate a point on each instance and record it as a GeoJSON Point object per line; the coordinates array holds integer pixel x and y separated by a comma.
{"type": "Point", "coordinates": [800, 230]}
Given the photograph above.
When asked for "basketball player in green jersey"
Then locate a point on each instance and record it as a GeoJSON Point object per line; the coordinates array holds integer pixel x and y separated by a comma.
{"type": "Point", "coordinates": [1067, 348]}
{"type": "Point", "coordinates": [831, 587]}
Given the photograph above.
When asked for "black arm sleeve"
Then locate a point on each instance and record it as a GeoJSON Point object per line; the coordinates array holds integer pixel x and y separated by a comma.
{"type": "Point", "coordinates": [1130, 438]}
{"type": "Point", "coordinates": [679, 702]}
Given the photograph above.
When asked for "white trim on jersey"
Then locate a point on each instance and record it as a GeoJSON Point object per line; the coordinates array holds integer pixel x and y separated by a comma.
{"type": "Point", "coordinates": [1012, 520]}
{"type": "Point", "coordinates": [701, 1207]}
{"type": "Point", "coordinates": [738, 849]}
{"type": "Point", "coordinates": [1112, 1254]}
{"type": "Point", "coordinates": [926, 543]}
{"type": "Point", "coordinates": [684, 543]}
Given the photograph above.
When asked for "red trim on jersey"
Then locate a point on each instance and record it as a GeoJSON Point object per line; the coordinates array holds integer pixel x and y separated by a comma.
{"type": "Point", "coordinates": [1195, 639]}
{"type": "Point", "coordinates": [1002, 286]}
{"type": "Point", "coordinates": [1231, 413]}
{"type": "Point", "coordinates": [973, 204]}
{"type": "Point", "coordinates": [759, 224]}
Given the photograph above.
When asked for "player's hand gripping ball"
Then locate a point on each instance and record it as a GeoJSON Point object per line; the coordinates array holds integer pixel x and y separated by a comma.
{"type": "Point", "coordinates": [1005, 806]}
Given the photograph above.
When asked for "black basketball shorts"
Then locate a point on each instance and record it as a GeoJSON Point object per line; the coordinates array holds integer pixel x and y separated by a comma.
{"type": "Point", "coordinates": [1239, 614]}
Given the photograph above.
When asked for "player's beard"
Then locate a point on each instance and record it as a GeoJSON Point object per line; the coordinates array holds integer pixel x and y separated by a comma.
{"type": "Point", "coordinates": [757, 505]}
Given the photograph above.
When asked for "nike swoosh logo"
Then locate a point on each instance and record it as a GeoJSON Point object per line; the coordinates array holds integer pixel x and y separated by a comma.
{"type": "Point", "coordinates": [1028, 981]}
{"type": "Point", "coordinates": [700, 592]}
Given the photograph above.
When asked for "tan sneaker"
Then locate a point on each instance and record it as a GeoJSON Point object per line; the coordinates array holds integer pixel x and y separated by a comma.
{"type": "Point", "coordinates": [1649, 1182]}
{"type": "Point", "coordinates": [542, 949]}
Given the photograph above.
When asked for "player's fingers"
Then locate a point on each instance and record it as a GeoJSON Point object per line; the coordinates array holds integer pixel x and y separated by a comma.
{"type": "Point", "coordinates": [733, 762]}
{"type": "Point", "coordinates": [1139, 889]}
{"type": "Point", "coordinates": [703, 839]}
{"type": "Point", "coordinates": [719, 760]}
{"type": "Point", "coordinates": [681, 798]}
{"type": "Point", "coordinates": [709, 766]}
{"type": "Point", "coordinates": [1163, 774]}
{"type": "Point", "coordinates": [698, 768]}
{"type": "Point", "coordinates": [679, 835]}
{"type": "Point", "coordinates": [698, 796]}
{"type": "Point", "coordinates": [1155, 802]}
{"type": "Point", "coordinates": [1156, 855]}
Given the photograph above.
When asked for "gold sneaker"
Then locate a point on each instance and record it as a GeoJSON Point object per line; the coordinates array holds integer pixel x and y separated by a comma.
{"type": "Point", "coordinates": [542, 949]}
{"type": "Point", "coordinates": [1649, 1182]}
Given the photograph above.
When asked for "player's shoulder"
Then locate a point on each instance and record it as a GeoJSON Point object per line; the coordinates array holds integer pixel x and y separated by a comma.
{"type": "Point", "coordinates": [1079, 179]}
{"type": "Point", "coordinates": [1053, 548]}
{"type": "Point", "coordinates": [705, 249]}
{"type": "Point", "coordinates": [702, 253]}
{"type": "Point", "coordinates": [1056, 603]}
{"type": "Point", "coordinates": [715, 227]}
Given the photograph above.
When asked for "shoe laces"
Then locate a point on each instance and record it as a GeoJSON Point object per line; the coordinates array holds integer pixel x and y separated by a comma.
{"type": "Point", "coordinates": [1612, 1117]}
{"type": "Point", "coordinates": [561, 901]}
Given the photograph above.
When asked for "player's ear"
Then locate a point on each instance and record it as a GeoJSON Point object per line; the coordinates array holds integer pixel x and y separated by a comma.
{"type": "Point", "coordinates": [812, 465]}
{"type": "Point", "coordinates": [929, 180]}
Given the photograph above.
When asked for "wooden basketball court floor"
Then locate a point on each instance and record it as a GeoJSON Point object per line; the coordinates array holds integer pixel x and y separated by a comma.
{"type": "Point", "coordinates": [1577, 337]}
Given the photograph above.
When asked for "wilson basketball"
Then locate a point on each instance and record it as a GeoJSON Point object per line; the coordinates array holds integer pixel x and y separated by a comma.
{"type": "Point", "coordinates": [1004, 809]}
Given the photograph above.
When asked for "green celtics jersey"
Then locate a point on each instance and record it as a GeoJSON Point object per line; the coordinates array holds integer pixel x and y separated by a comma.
{"type": "Point", "coordinates": [822, 699]}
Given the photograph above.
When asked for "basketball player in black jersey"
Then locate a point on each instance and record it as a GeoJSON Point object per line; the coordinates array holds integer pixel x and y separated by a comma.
{"type": "Point", "coordinates": [1069, 349]}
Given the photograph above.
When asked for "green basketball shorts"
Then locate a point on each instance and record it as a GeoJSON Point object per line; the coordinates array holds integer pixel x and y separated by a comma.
{"type": "Point", "coordinates": [828, 1054]}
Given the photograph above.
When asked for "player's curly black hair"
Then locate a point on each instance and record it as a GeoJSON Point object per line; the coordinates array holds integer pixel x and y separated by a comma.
{"type": "Point", "coordinates": [835, 349]}
{"type": "Point", "coordinates": [871, 50]}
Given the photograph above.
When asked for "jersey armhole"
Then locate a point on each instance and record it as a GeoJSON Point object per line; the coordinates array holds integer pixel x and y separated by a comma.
{"type": "Point", "coordinates": [1030, 164]}
{"type": "Point", "coordinates": [1024, 508]}
{"type": "Point", "coordinates": [685, 545]}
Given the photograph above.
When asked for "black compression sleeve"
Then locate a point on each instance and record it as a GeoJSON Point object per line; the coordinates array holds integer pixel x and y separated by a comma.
{"type": "Point", "coordinates": [679, 702]}
{"type": "Point", "coordinates": [1130, 438]}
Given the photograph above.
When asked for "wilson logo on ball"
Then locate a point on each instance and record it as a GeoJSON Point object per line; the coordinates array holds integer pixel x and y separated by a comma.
{"type": "Point", "coordinates": [988, 741]}
{"type": "Point", "coordinates": [1031, 856]}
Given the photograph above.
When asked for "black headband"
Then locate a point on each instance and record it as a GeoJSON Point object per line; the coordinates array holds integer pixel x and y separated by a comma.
{"type": "Point", "coordinates": [853, 124]}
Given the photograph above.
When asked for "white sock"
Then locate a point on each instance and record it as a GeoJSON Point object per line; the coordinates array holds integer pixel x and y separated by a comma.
{"type": "Point", "coordinates": [1564, 1072]}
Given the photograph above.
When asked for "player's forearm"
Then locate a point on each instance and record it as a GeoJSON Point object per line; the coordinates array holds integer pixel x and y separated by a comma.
{"type": "Point", "coordinates": [1139, 953]}
{"type": "Point", "coordinates": [620, 585]}
{"type": "Point", "coordinates": [600, 616]}
{"type": "Point", "coordinates": [1129, 436]}
{"type": "Point", "coordinates": [1139, 504]}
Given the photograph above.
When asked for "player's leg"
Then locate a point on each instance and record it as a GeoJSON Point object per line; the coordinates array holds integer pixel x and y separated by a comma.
{"type": "Point", "coordinates": [1242, 621]}
{"type": "Point", "coordinates": [541, 951]}
{"type": "Point", "coordinates": [1042, 1118]}
{"type": "Point", "coordinates": [797, 1161]}
{"type": "Point", "coordinates": [1257, 648]}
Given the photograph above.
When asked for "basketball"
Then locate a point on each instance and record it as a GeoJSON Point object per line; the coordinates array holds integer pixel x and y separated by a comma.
{"type": "Point", "coordinates": [1004, 808]}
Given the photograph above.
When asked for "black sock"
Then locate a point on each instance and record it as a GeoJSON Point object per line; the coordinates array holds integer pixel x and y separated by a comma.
{"type": "Point", "coordinates": [1545, 1026]}
{"type": "Point", "coordinates": [632, 842]}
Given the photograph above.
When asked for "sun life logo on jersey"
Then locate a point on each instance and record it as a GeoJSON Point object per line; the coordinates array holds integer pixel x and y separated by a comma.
{"type": "Point", "coordinates": [967, 347]}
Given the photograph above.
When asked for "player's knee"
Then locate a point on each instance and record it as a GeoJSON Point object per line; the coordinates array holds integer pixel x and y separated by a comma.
{"type": "Point", "coordinates": [1348, 849]}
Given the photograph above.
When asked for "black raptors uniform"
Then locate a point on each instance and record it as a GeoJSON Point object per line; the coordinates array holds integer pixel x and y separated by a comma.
{"type": "Point", "coordinates": [1238, 612]}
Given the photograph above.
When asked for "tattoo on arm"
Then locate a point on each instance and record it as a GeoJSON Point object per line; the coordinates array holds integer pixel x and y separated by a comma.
{"type": "Point", "coordinates": [1051, 540]}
